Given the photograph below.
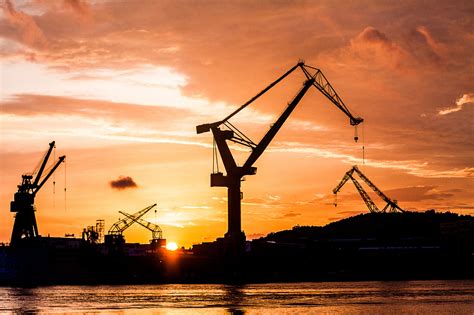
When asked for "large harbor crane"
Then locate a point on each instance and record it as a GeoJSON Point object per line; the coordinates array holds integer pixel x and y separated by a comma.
{"type": "Point", "coordinates": [25, 226]}
{"type": "Point", "coordinates": [232, 180]}
{"type": "Point", "coordinates": [156, 232]}
{"type": "Point", "coordinates": [115, 234]}
{"type": "Point", "coordinates": [391, 204]}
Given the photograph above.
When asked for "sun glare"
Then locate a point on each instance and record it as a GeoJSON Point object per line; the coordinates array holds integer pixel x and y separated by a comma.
{"type": "Point", "coordinates": [171, 246]}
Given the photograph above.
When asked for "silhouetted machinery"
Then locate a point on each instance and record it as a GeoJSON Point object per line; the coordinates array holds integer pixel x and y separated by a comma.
{"type": "Point", "coordinates": [115, 235]}
{"type": "Point", "coordinates": [235, 236]}
{"type": "Point", "coordinates": [25, 226]}
{"type": "Point", "coordinates": [94, 234]}
{"type": "Point", "coordinates": [391, 204]}
{"type": "Point", "coordinates": [156, 232]}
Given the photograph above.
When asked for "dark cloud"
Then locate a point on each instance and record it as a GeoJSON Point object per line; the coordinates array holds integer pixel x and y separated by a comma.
{"type": "Point", "coordinates": [350, 213]}
{"type": "Point", "coordinates": [123, 182]}
{"type": "Point", "coordinates": [290, 214]}
{"type": "Point", "coordinates": [419, 193]}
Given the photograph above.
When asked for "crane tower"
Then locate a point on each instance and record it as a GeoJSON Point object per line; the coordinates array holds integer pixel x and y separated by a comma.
{"type": "Point", "coordinates": [25, 226]}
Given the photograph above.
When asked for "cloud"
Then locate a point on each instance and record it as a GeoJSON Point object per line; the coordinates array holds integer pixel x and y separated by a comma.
{"type": "Point", "coordinates": [123, 182]}
{"type": "Point", "coordinates": [37, 105]}
{"type": "Point", "coordinates": [290, 214]}
{"type": "Point", "coordinates": [98, 119]}
{"type": "Point", "coordinates": [79, 7]}
{"type": "Point", "coordinates": [22, 25]}
{"type": "Point", "coordinates": [420, 193]}
{"type": "Point", "coordinates": [466, 99]}
{"type": "Point", "coordinates": [155, 124]}
{"type": "Point", "coordinates": [435, 46]}
{"type": "Point", "coordinates": [372, 44]}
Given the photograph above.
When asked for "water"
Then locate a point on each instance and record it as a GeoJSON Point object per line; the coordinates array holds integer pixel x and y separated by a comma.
{"type": "Point", "coordinates": [398, 297]}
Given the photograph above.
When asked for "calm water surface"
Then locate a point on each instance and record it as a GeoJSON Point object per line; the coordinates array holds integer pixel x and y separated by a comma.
{"type": "Point", "coordinates": [407, 297]}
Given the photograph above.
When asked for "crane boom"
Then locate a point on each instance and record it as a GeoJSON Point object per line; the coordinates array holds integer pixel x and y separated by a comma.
{"type": "Point", "coordinates": [368, 201]}
{"type": "Point", "coordinates": [343, 181]}
{"type": "Point", "coordinates": [43, 164]}
{"type": "Point", "coordinates": [121, 225]}
{"type": "Point", "coordinates": [323, 85]}
{"type": "Point", "coordinates": [60, 160]}
{"type": "Point", "coordinates": [206, 127]}
{"type": "Point", "coordinates": [155, 229]}
{"type": "Point", "coordinates": [390, 203]}
{"type": "Point", "coordinates": [263, 144]}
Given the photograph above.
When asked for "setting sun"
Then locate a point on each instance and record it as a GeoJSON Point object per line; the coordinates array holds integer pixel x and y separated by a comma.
{"type": "Point", "coordinates": [171, 246]}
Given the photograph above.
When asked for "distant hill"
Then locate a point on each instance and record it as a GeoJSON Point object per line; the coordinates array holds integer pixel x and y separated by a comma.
{"type": "Point", "coordinates": [408, 245]}
{"type": "Point", "coordinates": [429, 225]}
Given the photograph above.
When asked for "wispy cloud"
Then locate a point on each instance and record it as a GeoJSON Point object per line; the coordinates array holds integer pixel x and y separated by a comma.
{"type": "Point", "coordinates": [466, 99]}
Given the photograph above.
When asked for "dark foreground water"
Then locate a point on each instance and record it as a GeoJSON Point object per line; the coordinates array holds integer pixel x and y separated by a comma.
{"type": "Point", "coordinates": [400, 297]}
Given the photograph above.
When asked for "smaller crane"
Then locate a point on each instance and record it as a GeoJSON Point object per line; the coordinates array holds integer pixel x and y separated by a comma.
{"type": "Point", "coordinates": [25, 226]}
{"type": "Point", "coordinates": [115, 235]}
{"type": "Point", "coordinates": [391, 204]}
{"type": "Point", "coordinates": [156, 232]}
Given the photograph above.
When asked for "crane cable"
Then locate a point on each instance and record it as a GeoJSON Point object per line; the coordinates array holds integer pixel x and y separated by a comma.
{"type": "Point", "coordinates": [54, 179]}
{"type": "Point", "coordinates": [215, 158]}
{"type": "Point", "coordinates": [363, 144]}
{"type": "Point", "coordinates": [65, 182]}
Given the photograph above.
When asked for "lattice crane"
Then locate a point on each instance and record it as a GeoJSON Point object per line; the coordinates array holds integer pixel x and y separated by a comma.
{"type": "Point", "coordinates": [391, 204]}
{"type": "Point", "coordinates": [156, 232]}
{"type": "Point", "coordinates": [25, 225]}
{"type": "Point", "coordinates": [121, 225]}
{"type": "Point", "coordinates": [232, 180]}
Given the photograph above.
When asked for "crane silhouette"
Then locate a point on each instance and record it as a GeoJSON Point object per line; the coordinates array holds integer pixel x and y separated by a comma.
{"type": "Point", "coordinates": [235, 237]}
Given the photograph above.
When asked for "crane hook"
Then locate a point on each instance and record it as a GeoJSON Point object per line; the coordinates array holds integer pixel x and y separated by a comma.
{"type": "Point", "coordinates": [356, 136]}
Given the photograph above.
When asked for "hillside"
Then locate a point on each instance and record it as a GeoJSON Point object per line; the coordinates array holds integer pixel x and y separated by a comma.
{"type": "Point", "coordinates": [382, 226]}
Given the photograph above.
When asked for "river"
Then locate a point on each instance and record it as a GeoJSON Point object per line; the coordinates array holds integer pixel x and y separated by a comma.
{"type": "Point", "coordinates": [397, 297]}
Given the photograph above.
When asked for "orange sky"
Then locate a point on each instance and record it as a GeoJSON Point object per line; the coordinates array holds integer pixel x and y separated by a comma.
{"type": "Point", "coordinates": [120, 87]}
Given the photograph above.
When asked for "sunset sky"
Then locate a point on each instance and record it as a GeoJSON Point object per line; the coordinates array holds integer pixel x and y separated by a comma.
{"type": "Point", "coordinates": [121, 85]}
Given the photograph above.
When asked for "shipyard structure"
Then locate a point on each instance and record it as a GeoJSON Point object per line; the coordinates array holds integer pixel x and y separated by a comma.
{"type": "Point", "coordinates": [390, 243]}
{"type": "Point", "coordinates": [387, 243]}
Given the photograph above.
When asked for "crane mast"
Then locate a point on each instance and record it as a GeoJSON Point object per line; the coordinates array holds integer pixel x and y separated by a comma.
{"type": "Point", "coordinates": [391, 204]}
{"type": "Point", "coordinates": [25, 225]}
{"type": "Point", "coordinates": [234, 173]}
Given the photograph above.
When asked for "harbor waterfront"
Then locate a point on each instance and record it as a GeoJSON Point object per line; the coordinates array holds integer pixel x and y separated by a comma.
{"type": "Point", "coordinates": [365, 297]}
{"type": "Point", "coordinates": [236, 157]}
